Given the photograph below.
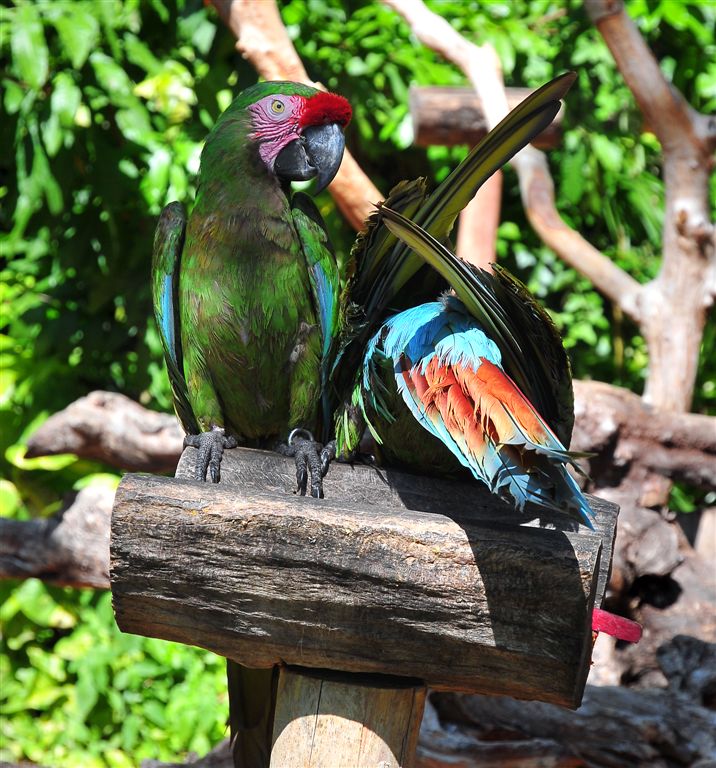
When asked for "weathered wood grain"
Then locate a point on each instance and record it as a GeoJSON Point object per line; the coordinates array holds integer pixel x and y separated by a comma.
{"type": "Point", "coordinates": [361, 485]}
{"type": "Point", "coordinates": [358, 582]}
{"type": "Point", "coordinates": [328, 720]}
{"type": "Point", "coordinates": [71, 548]}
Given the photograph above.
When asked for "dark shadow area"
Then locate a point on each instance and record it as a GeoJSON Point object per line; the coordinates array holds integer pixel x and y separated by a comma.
{"type": "Point", "coordinates": [659, 591]}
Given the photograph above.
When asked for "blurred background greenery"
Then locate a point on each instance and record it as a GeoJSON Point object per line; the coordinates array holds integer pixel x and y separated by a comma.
{"type": "Point", "coordinates": [105, 104]}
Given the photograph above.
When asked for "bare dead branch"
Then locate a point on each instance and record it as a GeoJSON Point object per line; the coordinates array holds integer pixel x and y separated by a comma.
{"type": "Point", "coordinates": [482, 67]}
{"type": "Point", "coordinates": [477, 235]}
{"type": "Point", "coordinates": [261, 38]}
{"type": "Point", "coordinates": [673, 307]}
{"type": "Point", "coordinates": [615, 727]}
{"type": "Point", "coordinates": [69, 549]}
{"type": "Point", "coordinates": [111, 428]}
{"type": "Point", "coordinates": [653, 93]}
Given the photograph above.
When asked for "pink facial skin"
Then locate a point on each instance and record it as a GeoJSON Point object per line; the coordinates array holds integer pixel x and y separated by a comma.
{"type": "Point", "coordinates": [275, 127]}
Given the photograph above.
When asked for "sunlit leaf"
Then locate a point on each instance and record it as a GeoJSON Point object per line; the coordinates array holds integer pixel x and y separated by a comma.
{"type": "Point", "coordinates": [29, 50]}
{"type": "Point", "coordinates": [78, 29]}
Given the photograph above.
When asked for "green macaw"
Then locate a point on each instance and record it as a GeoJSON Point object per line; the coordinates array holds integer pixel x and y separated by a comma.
{"type": "Point", "coordinates": [246, 298]}
{"type": "Point", "coordinates": [246, 288]}
{"type": "Point", "coordinates": [477, 381]}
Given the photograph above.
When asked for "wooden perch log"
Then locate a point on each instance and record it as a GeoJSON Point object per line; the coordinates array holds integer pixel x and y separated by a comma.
{"type": "Point", "coordinates": [469, 601]}
{"type": "Point", "coordinates": [451, 115]}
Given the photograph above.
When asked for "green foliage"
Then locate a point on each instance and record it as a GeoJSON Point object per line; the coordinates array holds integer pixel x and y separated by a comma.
{"type": "Point", "coordinates": [78, 693]}
{"type": "Point", "coordinates": [104, 106]}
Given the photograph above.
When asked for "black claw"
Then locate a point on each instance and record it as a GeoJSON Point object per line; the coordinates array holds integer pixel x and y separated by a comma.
{"type": "Point", "coordinates": [301, 472]}
{"type": "Point", "coordinates": [328, 454]}
{"type": "Point", "coordinates": [305, 451]}
{"type": "Point", "coordinates": [211, 447]}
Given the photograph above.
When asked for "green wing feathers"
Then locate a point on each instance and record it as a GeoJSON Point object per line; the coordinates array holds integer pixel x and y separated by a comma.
{"type": "Point", "coordinates": [166, 259]}
{"type": "Point", "coordinates": [325, 288]}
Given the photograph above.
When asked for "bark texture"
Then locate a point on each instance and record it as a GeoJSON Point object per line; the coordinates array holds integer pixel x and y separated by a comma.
{"type": "Point", "coordinates": [111, 428]}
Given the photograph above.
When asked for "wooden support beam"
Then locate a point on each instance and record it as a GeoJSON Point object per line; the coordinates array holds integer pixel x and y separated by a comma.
{"type": "Point", "coordinates": [448, 115]}
{"type": "Point", "coordinates": [391, 574]}
{"type": "Point", "coordinates": [325, 720]}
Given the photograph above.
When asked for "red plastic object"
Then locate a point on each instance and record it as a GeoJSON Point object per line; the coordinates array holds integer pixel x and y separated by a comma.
{"type": "Point", "coordinates": [617, 626]}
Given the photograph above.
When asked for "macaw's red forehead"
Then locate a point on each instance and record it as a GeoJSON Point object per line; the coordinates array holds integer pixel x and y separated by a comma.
{"type": "Point", "coordinates": [326, 108]}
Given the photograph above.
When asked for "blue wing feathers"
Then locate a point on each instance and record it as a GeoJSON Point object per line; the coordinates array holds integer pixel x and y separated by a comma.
{"type": "Point", "coordinates": [444, 333]}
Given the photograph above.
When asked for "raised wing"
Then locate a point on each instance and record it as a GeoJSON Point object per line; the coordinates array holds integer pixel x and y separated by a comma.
{"type": "Point", "coordinates": [533, 354]}
{"type": "Point", "coordinates": [381, 276]}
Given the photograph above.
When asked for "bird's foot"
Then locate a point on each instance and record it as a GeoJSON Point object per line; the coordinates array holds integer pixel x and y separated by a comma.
{"type": "Point", "coordinates": [211, 447]}
{"type": "Point", "coordinates": [311, 457]}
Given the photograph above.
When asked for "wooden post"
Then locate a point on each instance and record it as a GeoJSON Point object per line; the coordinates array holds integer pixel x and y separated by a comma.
{"type": "Point", "coordinates": [391, 574]}
{"type": "Point", "coordinates": [325, 720]}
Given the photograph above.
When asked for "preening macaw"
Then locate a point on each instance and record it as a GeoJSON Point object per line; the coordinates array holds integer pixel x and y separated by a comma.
{"type": "Point", "coordinates": [477, 379]}
{"type": "Point", "coordinates": [246, 297]}
{"type": "Point", "coordinates": [449, 367]}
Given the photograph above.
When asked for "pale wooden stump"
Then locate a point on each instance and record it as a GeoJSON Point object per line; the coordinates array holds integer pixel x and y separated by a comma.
{"type": "Point", "coordinates": [347, 721]}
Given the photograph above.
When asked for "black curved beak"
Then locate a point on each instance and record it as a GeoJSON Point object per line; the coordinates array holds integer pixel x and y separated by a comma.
{"type": "Point", "coordinates": [318, 153]}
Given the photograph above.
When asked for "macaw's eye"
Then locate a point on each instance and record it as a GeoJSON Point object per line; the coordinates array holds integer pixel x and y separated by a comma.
{"type": "Point", "coordinates": [277, 107]}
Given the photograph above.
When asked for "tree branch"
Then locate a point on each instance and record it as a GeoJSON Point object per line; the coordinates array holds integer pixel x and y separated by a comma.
{"type": "Point", "coordinates": [481, 66]}
{"type": "Point", "coordinates": [673, 306]}
{"type": "Point", "coordinates": [615, 727]}
{"type": "Point", "coordinates": [70, 549]}
{"type": "Point", "coordinates": [653, 93]}
{"type": "Point", "coordinates": [111, 428]}
{"type": "Point", "coordinates": [261, 38]}
{"type": "Point", "coordinates": [681, 447]}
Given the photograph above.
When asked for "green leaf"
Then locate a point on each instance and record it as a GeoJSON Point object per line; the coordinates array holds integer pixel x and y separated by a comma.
{"type": "Point", "coordinates": [52, 135]}
{"type": "Point", "coordinates": [135, 124]}
{"type": "Point", "coordinates": [14, 95]}
{"type": "Point", "coordinates": [154, 183]}
{"type": "Point", "coordinates": [10, 500]}
{"type": "Point", "coordinates": [113, 79]}
{"type": "Point", "coordinates": [608, 153]}
{"type": "Point", "coordinates": [140, 54]}
{"type": "Point", "coordinates": [574, 177]}
{"type": "Point", "coordinates": [66, 99]}
{"type": "Point", "coordinates": [79, 32]}
{"type": "Point", "coordinates": [29, 50]}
